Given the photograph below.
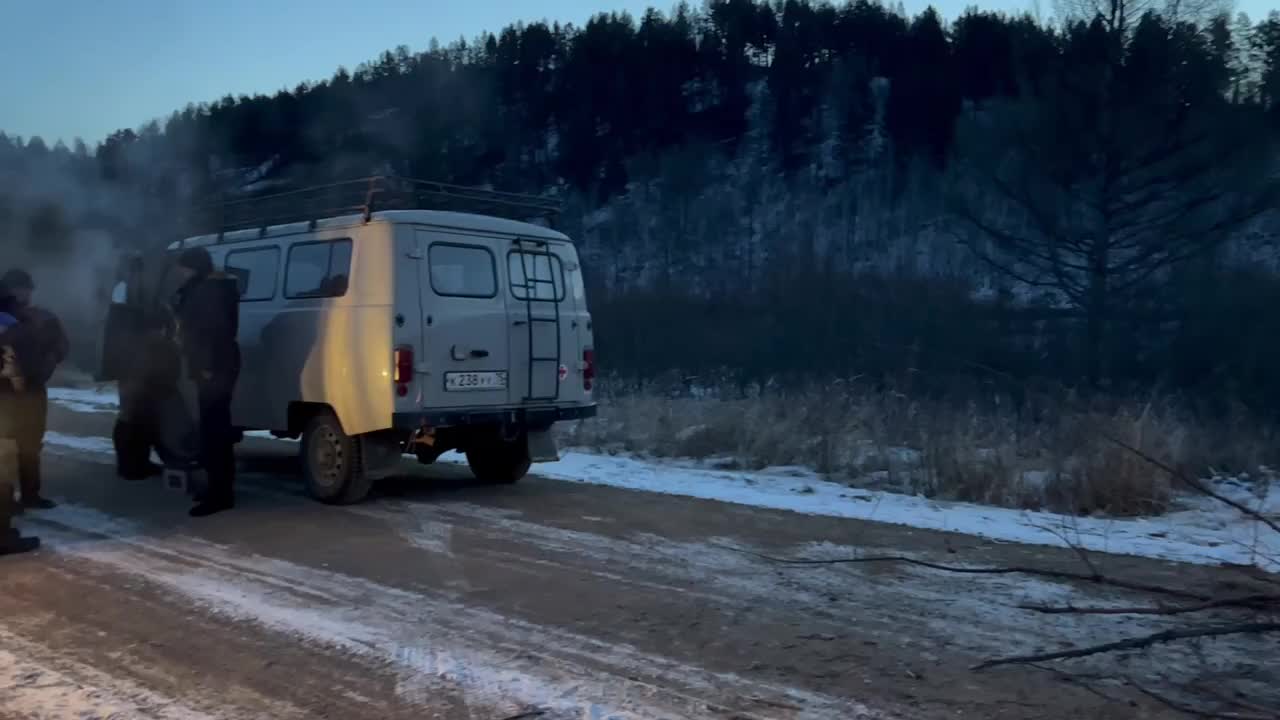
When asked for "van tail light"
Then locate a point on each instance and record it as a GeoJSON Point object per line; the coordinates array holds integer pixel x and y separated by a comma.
{"type": "Point", "coordinates": [588, 369]}
{"type": "Point", "coordinates": [403, 372]}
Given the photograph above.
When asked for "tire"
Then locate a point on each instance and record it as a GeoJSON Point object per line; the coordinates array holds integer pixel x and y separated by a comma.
{"type": "Point", "coordinates": [332, 462]}
{"type": "Point", "coordinates": [500, 462]}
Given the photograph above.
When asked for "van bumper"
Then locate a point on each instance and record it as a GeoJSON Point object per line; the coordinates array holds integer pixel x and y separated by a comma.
{"type": "Point", "coordinates": [525, 416]}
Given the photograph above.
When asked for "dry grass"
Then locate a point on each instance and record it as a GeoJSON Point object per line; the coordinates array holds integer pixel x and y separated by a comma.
{"type": "Point", "coordinates": [1046, 452]}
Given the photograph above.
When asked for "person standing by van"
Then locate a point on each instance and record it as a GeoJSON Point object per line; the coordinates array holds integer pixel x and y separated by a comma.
{"type": "Point", "coordinates": [50, 346]}
{"type": "Point", "coordinates": [14, 345]}
{"type": "Point", "coordinates": [208, 313]}
{"type": "Point", "coordinates": [137, 355]}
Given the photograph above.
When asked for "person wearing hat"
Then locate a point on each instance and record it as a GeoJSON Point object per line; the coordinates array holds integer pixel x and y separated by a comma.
{"type": "Point", "coordinates": [208, 313]}
{"type": "Point", "coordinates": [50, 347]}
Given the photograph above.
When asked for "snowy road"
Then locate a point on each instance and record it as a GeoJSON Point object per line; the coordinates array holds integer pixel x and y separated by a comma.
{"type": "Point", "coordinates": [439, 599]}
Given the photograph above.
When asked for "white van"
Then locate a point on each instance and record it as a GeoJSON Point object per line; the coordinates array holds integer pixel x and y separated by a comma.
{"type": "Point", "coordinates": [394, 327]}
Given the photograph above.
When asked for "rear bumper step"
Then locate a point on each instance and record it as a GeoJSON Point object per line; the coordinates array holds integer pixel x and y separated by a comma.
{"type": "Point", "coordinates": [531, 416]}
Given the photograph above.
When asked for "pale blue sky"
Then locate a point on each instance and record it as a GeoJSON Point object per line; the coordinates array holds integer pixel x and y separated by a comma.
{"type": "Point", "coordinates": [88, 67]}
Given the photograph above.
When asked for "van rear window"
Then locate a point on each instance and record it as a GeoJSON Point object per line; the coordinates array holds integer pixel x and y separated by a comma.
{"type": "Point", "coordinates": [462, 271]}
{"type": "Point", "coordinates": [318, 269]}
{"type": "Point", "coordinates": [536, 276]}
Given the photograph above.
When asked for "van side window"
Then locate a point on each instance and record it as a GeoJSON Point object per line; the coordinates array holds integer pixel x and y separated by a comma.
{"type": "Point", "coordinates": [318, 269]}
{"type": "Point", "coordinates": [462, 271]}
{"type": "Point", "coordinates": [255, 272]}
{"type": "Point", "coordinates": [536, 276]}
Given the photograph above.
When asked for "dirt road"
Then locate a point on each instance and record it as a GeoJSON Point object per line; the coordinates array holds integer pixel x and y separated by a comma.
{"type": "Point", "coordinates": [439, 599]}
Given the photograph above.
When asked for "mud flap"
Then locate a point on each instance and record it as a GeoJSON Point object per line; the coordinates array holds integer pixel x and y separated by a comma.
{"type": "Point", "coordinates": [381, 456]}
{"type": "Point", "coordinates": [542, 446]}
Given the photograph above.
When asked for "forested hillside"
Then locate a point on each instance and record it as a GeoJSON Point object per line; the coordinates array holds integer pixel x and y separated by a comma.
{"type": "Point", "coordinates": [795, 190]}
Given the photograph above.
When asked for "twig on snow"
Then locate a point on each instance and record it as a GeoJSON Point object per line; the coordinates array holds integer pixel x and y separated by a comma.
{"type": "Point", "coordinates": [1226, 699]}
{"type": "Point", "coordinates": [1245, 602]}
{"type": "Point", "coordinates": [1194, 711]}
{"type": "Point", "coordinates": [1137, 643]}
{"type": "Point", "coordinates": [527, 715]}
{"type": "Point", "coordinates": [1075, 547]}
{"type": "Point", "coordinates": [1080, 681]}
{"type": "Point", "coordinates": [1010, 570]}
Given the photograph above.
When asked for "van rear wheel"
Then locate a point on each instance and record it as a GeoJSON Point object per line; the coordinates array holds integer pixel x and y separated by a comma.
{"type": "Point", "coordinates": [500, 462]}
{"type": "Point", "coordinates": [332, 462]}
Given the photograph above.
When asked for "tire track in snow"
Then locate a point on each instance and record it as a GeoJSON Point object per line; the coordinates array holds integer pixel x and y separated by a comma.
{"type": "Point", "coordinates": [730, 579]}
{"type": "Point", "coordinates": [34, 685]}
{"type": "Point", "coordinates": [437, 645]}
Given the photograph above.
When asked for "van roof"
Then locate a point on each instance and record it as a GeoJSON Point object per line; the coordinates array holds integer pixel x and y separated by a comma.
{"type": "Point", "coordinates": [436, 218]}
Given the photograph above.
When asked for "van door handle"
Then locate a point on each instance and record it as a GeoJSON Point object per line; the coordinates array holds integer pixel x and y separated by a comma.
{"type": "Point", "coordinates": [460, 354]}
{"type": "Point", "coordinates": [518, 323]}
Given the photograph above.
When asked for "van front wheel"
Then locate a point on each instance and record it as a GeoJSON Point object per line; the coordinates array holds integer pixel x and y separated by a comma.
{"type": "Point", "coordinates": [332, 462]}
{"type": "Point", "coordinates": [500, 462]}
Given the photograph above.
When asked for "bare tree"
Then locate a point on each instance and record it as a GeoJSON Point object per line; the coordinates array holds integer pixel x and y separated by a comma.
{"type": "Point", "coordinates": [1111, 175]}
{"type": "Point", "coordinates": [1122, 15]}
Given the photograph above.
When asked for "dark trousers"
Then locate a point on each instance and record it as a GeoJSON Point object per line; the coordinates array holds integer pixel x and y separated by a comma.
{"type": "Point", "coordinates": [217, 438]}
{"type": "Point", "coordinates": [133, 442]}
{"type": "Point", "coordinates": [8, 477]}
{"type": "Point", "coordinates": [31, 413]}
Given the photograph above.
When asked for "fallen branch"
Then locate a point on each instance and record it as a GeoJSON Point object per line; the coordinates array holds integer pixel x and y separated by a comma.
{"type": "Point", "coordinates": [1011, 570]}
{"type": "Point", "coordinates": [529, 715]}
{"type": "Point", "coordinates": [1217, 694]}
{"type": "Point", "coordinates": [1084, 682]}
{"type": "Point", "coordinates": [1246, 602]}
{"type": "Point", "coordinates": [1194, 711]}
{"type": "Point", "coordinates": [1075, 546]}
{"type": "Point", "coordinates": [1195, 484]}
{"type": "Point", "coordinates": [1137, 643]}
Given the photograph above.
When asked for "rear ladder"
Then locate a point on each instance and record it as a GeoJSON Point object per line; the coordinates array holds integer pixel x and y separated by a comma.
{"type": "Point", "coordinates": [532, 296]}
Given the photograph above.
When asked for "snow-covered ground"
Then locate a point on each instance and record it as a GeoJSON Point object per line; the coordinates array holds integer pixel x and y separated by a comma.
{"type": "Point", "coordinates": [34, 688]}
{"type": "Point", "coordinates": [432, 642]}
{"type": "Point", "coordinates": [1201, 530]}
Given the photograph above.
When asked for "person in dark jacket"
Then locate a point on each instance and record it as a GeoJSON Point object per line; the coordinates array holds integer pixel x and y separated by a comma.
{"type": "Point", "coordinates": [208, 314]}
{"type": "Point", "coordinates": [50, 348]}
{"type": "Point", "coordinates": [147, 368]}
{"type": "Point", "coordinates": [16, 343]}
{"type": "Point", "coordinates": [131, 336]}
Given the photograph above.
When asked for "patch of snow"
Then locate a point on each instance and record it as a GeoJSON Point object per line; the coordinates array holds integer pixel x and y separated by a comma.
{"type": "Point", "coordinates": [1207, 532]}
{"type": "Point", "coordinates": [266, 435]}
{"type": "Point", "coordinates": [86, 400]}
{"type": "Point", "coordinates": [31, 687]}
{"type": "Point", "coordinates": [691, 432]}
{"type": "Point", "coordinates": [85, 443]}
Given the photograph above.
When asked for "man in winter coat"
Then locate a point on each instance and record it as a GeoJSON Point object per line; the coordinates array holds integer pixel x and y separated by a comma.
{"type": "Point", "coordinates": [50, 348]}
{"type": "Point", "coordinates": [16, 342]}
{"type": "Point", "coordinates": [137, 353]}
{"type": "Point", "coordinates": [208, 313]}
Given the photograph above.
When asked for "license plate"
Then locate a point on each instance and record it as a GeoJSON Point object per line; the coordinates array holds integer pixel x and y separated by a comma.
{"type": "Point", "coordinates": [472, 381]}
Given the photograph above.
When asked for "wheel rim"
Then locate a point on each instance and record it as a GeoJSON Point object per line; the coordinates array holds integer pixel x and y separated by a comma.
{"type": "Point", "coordinates": [326, 458]}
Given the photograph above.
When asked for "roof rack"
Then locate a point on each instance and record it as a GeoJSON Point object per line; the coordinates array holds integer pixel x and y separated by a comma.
{"type": "Point", "coordinates": [365, 196]}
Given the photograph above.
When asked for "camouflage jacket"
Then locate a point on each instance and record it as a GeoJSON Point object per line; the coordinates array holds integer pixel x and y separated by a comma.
{"type": "Point", "coordinates": [19, 348]}
{"type": "Point", "coordinates": [49, 344]}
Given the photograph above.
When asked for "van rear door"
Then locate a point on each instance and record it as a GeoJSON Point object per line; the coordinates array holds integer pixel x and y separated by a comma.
{"type": "Point", "coordinates": [543, 321]}
{"type": "Point", "coordinates": [464, 318]}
